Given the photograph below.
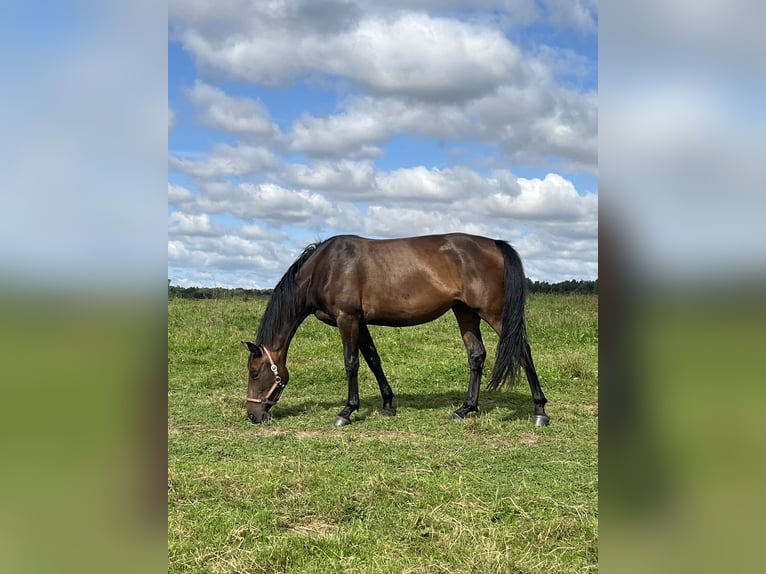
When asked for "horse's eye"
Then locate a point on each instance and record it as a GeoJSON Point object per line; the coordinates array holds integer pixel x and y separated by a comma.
{"type": "Point", "coordinates": [254, 375]}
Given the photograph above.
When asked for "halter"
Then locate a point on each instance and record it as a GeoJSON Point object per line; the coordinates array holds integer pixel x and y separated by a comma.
{"type": "Point", "coordinates": [276, 388]}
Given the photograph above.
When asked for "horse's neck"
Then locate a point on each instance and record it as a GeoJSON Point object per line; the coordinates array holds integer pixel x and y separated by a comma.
{"type": "Point", "coordinates": [284, 313]}
{"type": "Point", "coordinates": [284, 335]}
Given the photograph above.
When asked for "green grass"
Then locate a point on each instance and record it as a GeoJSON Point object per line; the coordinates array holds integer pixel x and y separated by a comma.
{"type": "Point", "coordinates": [413, 493]}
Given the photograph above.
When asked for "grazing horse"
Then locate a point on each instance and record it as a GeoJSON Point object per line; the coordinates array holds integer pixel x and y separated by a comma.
{"type": "Point", "coordinates": [350, 282]}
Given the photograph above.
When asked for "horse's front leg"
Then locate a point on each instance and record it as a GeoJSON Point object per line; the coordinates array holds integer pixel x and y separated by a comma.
{"type": "Point", "coordinates": [349, 333]}
{"type": "Point", "coordinates": [370, 354]}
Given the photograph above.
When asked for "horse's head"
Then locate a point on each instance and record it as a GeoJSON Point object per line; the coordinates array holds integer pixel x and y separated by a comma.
{"type": "Point", "coordinates": [266, 379]}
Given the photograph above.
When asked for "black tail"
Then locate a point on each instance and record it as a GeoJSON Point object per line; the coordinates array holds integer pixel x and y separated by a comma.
{"type": "Point", "coordinates": [512, 349]}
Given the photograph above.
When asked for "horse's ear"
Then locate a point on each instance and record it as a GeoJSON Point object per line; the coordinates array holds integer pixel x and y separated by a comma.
{"type": "Point", "coordinates": [252, 347]}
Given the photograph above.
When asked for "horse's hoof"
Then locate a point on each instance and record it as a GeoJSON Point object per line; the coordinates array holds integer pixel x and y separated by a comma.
{"type": "Point", "coordinates": [541, 420]}
{"type": "Point", "coordinates": [388, 412]}
{"type": "Point", "coordinates": [341, 421]}
{"type": "Point", "coordinates": [458, 416]}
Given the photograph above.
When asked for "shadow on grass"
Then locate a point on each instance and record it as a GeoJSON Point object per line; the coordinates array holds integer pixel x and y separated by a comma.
{"type": "Point", "coordinates": [519, 404]}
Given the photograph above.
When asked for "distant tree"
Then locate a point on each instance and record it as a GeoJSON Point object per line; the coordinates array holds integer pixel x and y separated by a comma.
{"type": "Point", "coordinates": [174, 291]}
{"type": "Point", "coordinates": [562, 287]}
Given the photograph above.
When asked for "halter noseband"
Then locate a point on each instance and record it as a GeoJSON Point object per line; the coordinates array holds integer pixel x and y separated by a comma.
{"type": "Point", "coordinates": [276, 388]}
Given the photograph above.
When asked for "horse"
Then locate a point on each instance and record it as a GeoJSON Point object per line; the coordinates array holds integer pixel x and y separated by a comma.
{"type": "Point", "coordinates": [350, 282]}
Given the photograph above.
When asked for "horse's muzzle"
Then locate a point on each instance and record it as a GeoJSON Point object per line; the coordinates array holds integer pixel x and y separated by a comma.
{"type": "Point", "coordinates": [259, 417]}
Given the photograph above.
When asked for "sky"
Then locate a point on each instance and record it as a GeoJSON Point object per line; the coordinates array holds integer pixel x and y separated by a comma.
{"type": "Point", "coordinates": [293, 121]}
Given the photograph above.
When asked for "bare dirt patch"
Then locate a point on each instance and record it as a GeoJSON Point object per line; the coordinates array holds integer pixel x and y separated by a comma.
{"type": "Point", "coordinates": [529, 438]}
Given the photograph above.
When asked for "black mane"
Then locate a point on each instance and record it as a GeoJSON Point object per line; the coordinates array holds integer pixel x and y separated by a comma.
{"type": "Point", "coordinates": [286, 302]}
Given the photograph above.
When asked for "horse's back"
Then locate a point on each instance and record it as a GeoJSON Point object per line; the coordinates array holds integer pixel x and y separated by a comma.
{"type": "Point", "coordinates": [404, 281]}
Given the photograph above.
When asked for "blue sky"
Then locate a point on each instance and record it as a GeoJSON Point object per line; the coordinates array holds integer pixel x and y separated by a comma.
{"type": "Point", "coordinates": [295, 121]}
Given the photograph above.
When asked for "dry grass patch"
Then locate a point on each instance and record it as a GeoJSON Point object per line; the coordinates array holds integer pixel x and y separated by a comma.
{"type": "Point", "coordinates": [312, 526]}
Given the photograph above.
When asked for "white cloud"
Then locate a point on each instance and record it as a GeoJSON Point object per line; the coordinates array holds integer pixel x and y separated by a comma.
{"type": "Point", "coordinates": [538, 118]}
{"type": "Point", "coordinates": [226, 253]}
{"type": "Point", "coordinates": [451, 77]}
{"type": "Point", "coordinates": [410, 72]}
{"type": "Point", "coordinates": [411, 54]}
{"type": "Point", "coordinates": [178, 195]}
{"type": "Point", "coordinates": [385, 221]}
{"type": "Point", "coordinates": [359, 181]}
{"type": "Point", "coordinates": [419, 184]}
{"type": "Point", "coordinates": [180, 223]}
{"type": "Point", "coordinates": [226, 160]}
{"type": "Point", "coordinates": [342, 179]}
{"type": "Point", "coordinates": [366, 121]}
{"type": "Point", "coordinates": [251, 231]}
{"type": "Point", "coordinates": [555, 256]}
{"type": "Point", "coordinates": [235, 115]}
{"type": "Point", "coordinates": [353, 133]}
{"type": "Point", "coordinates": [547, 218]}
{"type": "Point", "coordinates": [276, 205]}
{"type": "Point", "coordinates": [528, 120]}
{"type": "Point", "coordinates": [429, 58]}
{"type": "Point", "coordinates": [550, 199]}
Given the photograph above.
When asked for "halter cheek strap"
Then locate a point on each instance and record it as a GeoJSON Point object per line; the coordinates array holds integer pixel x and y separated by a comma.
{"type": "Point", "coordinates": [273, 394]}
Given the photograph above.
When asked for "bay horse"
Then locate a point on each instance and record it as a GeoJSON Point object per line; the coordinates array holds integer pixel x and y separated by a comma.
{"type": "Point", "coordinates": [350, 282]}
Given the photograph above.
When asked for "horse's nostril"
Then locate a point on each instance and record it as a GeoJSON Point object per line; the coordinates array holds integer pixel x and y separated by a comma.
{"type": "Point", "coordinates": [251, 416]}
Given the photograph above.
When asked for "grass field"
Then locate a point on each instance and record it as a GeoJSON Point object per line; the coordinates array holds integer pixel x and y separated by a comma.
{"type": "Point", "coordinates": [412, 493]}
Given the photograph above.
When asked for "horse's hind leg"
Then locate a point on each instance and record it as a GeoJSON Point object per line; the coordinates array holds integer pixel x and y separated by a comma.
{"type": "Point", "coordinates": [370, 354]}
{"type": "Point", "coordinates": [541, 419]}
{"type": "Point", "coordinates": [470, 329]}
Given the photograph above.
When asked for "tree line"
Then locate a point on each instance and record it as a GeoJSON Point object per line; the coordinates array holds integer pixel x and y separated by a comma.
{"type": "Point", "coordinates": [569, 286]}
{"type": "Point", "coordinates": [176, 292]}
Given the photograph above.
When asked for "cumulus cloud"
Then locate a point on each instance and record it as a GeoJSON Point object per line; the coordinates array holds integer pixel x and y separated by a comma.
{"type": "Point", "coordinates": [188, 224]}
{"type": "Point", "coordinates": [252, 231]}
{"type": "Point", "coordinates": [550, 199]}
{"type": "Point", "coordinates": [226, 160]}
{"type": "Point", "coordinates": [226, 253]}
{"type": "Point", "coordinates": [412, 72]}
{"type": "Point", "coordinates": [366, 122]}
{"type": "Point", "coordinates": [276, 205]}
{"type": "Point", "coordinates": [547, 218]}
{"type": "Point", "coordinates": [419, 184]}
{"type": "Point", "coordinates": [539, 118]}
{"type": "Point", "coordinates": [235, 115]}
{"type": "Point", "coordinates": [410, 53]}
{"type": "Point", "coordinates": [451, 74]}
{"type": "Point", "coordinates": [383, 221]}
{"type": "Point", "coordinates": [344, 178]}
{"type": "Point", "coordinates": [548, 255]}
{"type": "Point", "coordinates": [352, 133]}
{"type": "Point", "coordinates": [425, 57]}
{"type": "Point", "coordinates": [178, 195]}
{"type": "Point", "coordinates": [203, 253]}
{"type": "Point", "coordinates": [529, 118]}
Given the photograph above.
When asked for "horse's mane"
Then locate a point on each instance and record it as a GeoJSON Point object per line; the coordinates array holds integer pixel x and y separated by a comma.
{"type": "Point", "coordinates": [286, 302]}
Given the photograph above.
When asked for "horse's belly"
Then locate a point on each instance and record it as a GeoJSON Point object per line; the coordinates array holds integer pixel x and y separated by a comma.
{"type": "Point", "coordinates": [403, 313]}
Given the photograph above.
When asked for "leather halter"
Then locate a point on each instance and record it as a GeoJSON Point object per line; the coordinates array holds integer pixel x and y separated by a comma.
{"type": "Point", "coordinates": [276, 388]}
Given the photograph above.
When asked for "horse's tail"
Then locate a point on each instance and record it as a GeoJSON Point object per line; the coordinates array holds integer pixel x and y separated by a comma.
{"type": "Point", "coordinates": [512, 350]}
